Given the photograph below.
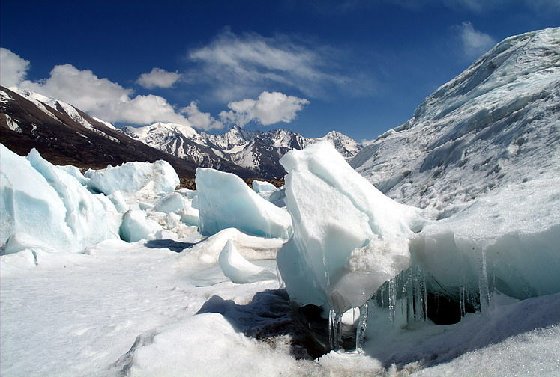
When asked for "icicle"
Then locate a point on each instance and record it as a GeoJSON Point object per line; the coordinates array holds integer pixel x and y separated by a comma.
{"type": "Point", "coordinates": [483, 283]}
{"type": "Point", "coordinates": [279, 278]}
{"type": "Point", "coordinates": [361, 328]}
{"type": "Point", "coordinates": [392, 293]}
{"type": "Point", "coordinates": [335, 330]}
{"type": "Point", "coordinates": [462, 300]}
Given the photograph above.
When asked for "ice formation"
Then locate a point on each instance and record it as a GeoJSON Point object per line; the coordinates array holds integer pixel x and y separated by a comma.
{"type": "Point", "coordinates": [44, 206]}
{"type": "Point", "coordinates": [133, 177]}
{"type": "Point", "coordinates": [262, 186]}
{"type": "Point", "coordinates": [135, 226]}
{"type": "Point", "coordinates": [250, 247]}
{"type": "Point", "coordinates": [239, 269]}
{"type": "Point", "coordinates": [180, 204]}
{"type": "Point", "coordinates": [348, 237]}
{"type": "Point", "coordinates": [224, 201]}
{"type": "Point", "coordinates": [496, 245]}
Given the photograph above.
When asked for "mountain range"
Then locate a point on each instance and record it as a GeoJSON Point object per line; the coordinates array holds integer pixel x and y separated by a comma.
{"type": "Point", "coordinates": [256, 151]}
{"type": "Point", "coordinates": [66, 135]}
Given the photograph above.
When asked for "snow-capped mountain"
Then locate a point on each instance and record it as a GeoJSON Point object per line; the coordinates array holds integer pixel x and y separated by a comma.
{"type": "Point", "coordinates": [66, 135]}
{"type": "Point", "coordinates": [496, 124]}
{"type": "Point", "coordinates": [257, 151]}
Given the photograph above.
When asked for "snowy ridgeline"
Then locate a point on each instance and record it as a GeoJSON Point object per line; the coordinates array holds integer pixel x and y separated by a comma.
{"type": "Point", "coordinates": [375, 266]}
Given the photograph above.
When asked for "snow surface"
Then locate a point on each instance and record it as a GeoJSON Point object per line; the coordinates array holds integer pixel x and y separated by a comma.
{"type": "Point", "coordinates": [224, 201]}
{"type": "Point", "coordinates": [178, 304]}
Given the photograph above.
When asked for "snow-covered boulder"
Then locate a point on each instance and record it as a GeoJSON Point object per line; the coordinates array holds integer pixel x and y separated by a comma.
{"type": "Point", "coordinates": [239, 269]}
{"type": "Point", "coordinates": [132, 177]}
{"type": "Point", "coordinates": [348, 237]}
{"type": "Point", "coordinates": [49, 208]}
{"type": "Point", "coordinates": [225, 201]}
{"type": "Point", "coordinates": [262, 186]}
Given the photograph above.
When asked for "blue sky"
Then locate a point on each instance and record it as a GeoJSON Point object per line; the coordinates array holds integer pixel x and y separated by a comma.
{"type": "Point", "coordinates": [360, 67]}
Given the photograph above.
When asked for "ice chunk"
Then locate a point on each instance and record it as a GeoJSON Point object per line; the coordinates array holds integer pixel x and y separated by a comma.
{"type": "Point", "coordinates": [151, 178]}
{"type": "Point", "coordinates": [74, 172]}
{"type": "Point", "coordinates": [179, 204]}
{"type": "Point", "coordinates": [135, 226]}
{"type": "Point", "coordinates": [239, 269]}
{"type": "Point", "coordinates": [83, 209]}
{"type": "Point", "coordinates": [173, 202]}
{"type": "Point", "coordinates": [348, 237]}
{"type": "Point", "coordinates": [261, 186]}
{"type": "Point", "coordinates": [506, 241]}
{"type": "Point", "coordinates": [250, 247]}
{"type": "Point", "coordinates": [43, 206]}
{"type": "Point", "coordinates": [225, 201]}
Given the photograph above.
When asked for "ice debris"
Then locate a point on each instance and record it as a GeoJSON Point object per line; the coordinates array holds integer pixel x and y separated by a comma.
{"type": "Point", "coordinates": [240, 270]}
{"type": "Point", "coordinates": [45, 204]}
{"type": "Point", "coordinates": [250, 247]}
{"type": "Point", "coordinates": [135, 227]}
{"type": "Point", "coordinates": [132, 177]}
{"type": "Point", "coordinates": [348, 237]}
{"type": "Point", "coordinates": [225, 201]}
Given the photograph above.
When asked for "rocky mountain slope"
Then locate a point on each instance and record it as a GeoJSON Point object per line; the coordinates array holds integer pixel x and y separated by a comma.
{"type": "Point", "coordinates": [496, 124]}
{"type": "Point", "coordinates": [257, 151]}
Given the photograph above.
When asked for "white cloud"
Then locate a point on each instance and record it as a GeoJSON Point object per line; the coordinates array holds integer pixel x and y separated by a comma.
{"type": "Point", "coordinates": [158, 78]}
{"type": "Point", "coordinates": [474, 42]}
{"type": "Point", "coordinates": [242, 66]}
{"type": "Point", "coordinates": [111, 102]}
{"type": "Point", "coordinates": [13, 69]}
{"type": "Point", "coordinates": [199, 119]}
{"type": "Point", "coordinates": [267, 109]}
{"type": "Point", "coordinates": [103, 98]}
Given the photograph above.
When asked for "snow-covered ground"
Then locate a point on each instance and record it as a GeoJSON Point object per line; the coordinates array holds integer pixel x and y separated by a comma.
{"type": "Point", "coordinates": [177, 304]}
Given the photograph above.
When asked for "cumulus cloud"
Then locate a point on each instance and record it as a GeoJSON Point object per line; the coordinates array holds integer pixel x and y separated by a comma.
{"type": "Point", "coordinates": [103, 98]}
{"type": "Point", "coordinates": [241, 66]}
{"type": "Point", "coordinates": [13, 69]}
{"type": "Point", "coordinates": [158, 78]}
{"type": "Point", "coordinates": [111, 102]}
{"type": "Point", "coordinates": [201, 120]}
{"type": "Point", "coordinates": [474, 42]}
{"type": "Point", "coordinates": [267, 109]}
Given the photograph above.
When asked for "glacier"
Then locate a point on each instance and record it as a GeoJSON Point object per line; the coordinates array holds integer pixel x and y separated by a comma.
{"type": "Point", "coordinates": [225, 201]}
{"type": "Point", "coordinates": [44, 207]}
{"type": "Point", "coordinates": [348, 237]}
